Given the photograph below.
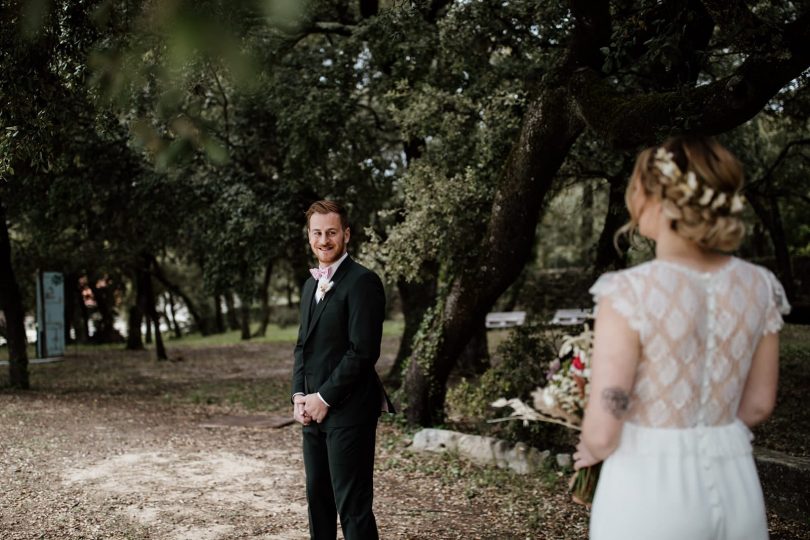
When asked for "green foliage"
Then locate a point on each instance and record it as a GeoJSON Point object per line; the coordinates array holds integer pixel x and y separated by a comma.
{"type": "Point", "coordinates": [458, 102]}
{"type": "Point", "coordinates": [521, 367]}
{"type": "Point", "coordinates": [199, 131]}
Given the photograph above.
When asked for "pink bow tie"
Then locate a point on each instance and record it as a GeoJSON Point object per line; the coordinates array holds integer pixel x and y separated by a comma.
{"type": "Point", "coordinates": [319, 273]}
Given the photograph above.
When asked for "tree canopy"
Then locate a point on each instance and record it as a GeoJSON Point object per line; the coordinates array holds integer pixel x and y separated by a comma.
{"type": "Point", "coordinates": [180, 143]}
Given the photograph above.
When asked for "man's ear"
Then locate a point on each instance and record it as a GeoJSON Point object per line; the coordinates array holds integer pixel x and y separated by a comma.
{"type": "Point", "coordinates": [348, 233]}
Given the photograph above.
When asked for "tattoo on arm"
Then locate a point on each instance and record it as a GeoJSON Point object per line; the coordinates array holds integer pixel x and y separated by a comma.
{"type": "Point", "coordinates": [616, 401]}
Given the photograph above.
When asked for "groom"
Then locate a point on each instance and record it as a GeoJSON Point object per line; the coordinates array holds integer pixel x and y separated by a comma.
{"type": "Point", "coordinates": [337, 395]}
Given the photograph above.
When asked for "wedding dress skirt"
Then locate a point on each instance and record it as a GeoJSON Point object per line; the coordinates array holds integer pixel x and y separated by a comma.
{"type": "Point", "coordinates": [680, 484]}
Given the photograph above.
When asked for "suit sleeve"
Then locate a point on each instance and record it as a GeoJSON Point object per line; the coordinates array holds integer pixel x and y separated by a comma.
{"type": "Point", "coordinates": [298, 353]}
{"type": "Point", "coordinates": [366, 312]}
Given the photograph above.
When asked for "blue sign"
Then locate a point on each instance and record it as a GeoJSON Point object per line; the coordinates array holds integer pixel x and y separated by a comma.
{"type": "Point", "coordinates": [50, 315]}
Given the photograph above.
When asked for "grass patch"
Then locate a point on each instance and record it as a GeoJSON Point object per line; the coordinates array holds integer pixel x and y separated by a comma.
{"type": "Point", "coordinates": [275, 334]}
{"type": "Point", "coordinates": [251, 395]}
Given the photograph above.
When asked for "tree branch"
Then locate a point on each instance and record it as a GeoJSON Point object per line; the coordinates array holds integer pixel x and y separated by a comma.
{"type": "Point", "coordinates": [735, 14]}
{"type": "Point", "coordinates": [592, 30]}
{"type": "Point", "coordinates": [766, 177]}
{"type": "Point", "coordinates": [626, 122]}
{"type": "Point", "coordinates": [738, 23]}
{"type": "Point", "coordinates": [224, 105]}
{"type": "Point", "coordinates": [434, 7]}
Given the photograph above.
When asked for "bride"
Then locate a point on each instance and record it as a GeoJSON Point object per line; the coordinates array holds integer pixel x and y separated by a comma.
{"type": "Point", "coordinates": [685, 359]}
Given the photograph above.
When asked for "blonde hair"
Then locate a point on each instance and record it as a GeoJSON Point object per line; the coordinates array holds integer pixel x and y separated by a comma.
{"type": "Point", "coordinates": [698, 182]}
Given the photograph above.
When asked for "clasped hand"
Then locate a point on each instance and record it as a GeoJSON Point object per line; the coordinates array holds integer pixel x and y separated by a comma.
{"type": "Point", "coordinates": [583, 457]}
{"type": "Point", "coordinates": [308, 408]}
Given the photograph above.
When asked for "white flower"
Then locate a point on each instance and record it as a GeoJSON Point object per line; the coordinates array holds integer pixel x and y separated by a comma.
{"type": "Point", "coordinates": [688, 188]}
{"type": "Point", "coordinates": [669, 169]}
{"type": "Point", "coordinates": [691, 181]}
{"type": "Point", "coordinates": [719, 201]}
{"type": "Point", "coordinates": [663, 155]}
{"type": "Point", "coordinates": [736, 204]}
{"type": "Point", "coordinates": [708, 193]}
{"type": "Point", "coordinates": [324, 287]}
{"type": "Point", "coordinates": [548, 397]}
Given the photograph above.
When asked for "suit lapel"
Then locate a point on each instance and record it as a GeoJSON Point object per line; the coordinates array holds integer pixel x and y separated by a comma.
{"type": "Point", "coordinates": [306, 296]}
{"type": "Point", "coordinates": [320, 306]}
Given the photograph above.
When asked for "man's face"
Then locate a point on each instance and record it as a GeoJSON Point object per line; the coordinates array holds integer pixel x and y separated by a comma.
{"type": "Point", "coordinates": [327, 237]}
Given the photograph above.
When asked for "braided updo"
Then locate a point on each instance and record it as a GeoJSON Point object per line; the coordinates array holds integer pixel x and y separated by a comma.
{"type": "Point", "coordinates": [698, 182]}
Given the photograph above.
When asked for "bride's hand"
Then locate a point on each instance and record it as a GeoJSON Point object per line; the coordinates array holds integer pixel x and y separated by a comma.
{"type": "Point", "coordinates": [583, 457]}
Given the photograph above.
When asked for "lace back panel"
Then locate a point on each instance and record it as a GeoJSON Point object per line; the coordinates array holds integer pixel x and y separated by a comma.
{"type": "Point", "coordinates": [698, 332]}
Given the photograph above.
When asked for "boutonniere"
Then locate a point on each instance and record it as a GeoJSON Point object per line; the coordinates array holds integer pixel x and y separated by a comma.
{"type": "Point", "coordinates": [324, 287]}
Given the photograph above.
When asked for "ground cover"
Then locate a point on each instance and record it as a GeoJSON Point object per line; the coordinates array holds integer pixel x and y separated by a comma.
{"type": "Point", "coordinates": [112, 444]}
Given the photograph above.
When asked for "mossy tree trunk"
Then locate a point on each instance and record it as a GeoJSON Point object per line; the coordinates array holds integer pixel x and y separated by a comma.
{"type": "Point", "coordinates": [549, 130]}
{"type": "Point", "coordinates": [416, 298]}
{"type": "Point", "coordinates": [575, 95]}
{"type": "Point", "coordinates": [264, 300]}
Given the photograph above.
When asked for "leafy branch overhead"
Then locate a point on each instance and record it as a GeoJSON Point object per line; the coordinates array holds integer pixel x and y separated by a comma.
{"type": "Point", "coordinates": [193, 135]}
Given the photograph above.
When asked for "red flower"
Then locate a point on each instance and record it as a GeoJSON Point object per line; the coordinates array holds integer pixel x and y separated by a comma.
{"type": "Point", "coordinates": [577, 363]}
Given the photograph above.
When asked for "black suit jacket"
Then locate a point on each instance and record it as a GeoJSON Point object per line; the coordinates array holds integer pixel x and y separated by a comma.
{"type": "Point", "coordinates": [339, 343]}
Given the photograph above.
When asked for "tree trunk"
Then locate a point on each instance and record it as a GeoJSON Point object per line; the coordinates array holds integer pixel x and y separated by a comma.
{"type": "Point", "coordinates": [148, 324]}
{"type": "Point", "coordinates": [178, 333]}
{"type": "Point", "coordinates": [146, 303]}
{"type": "Point", "coordinates": [607, 257]}
{"type": "Point", "coordinates": [586, 222]}
{"type": "Point", "coordinates": [81, 317]}
{"type": "Point", "coordinates": [771, 218]}
{"type": "Point", "coordinates": [232, 317]}
{"type": "Point", "coordinates": [71, 283]}
{"type": "Point", "coordinates": [12, 306]}
{"type": "Point", "coordinates": [137, 312]}
{"type": "Point", "coordinates": [149, 306]}
{"type": "Point", "coordinates": [264, 298]}
{"type": "Point", "coordinates": [173, 289]}
{"type": "Point", "coordinates": [160, 350]}
{"type": "Point", "coordinates": [134, 321]}
{"type": "Point", "coordinates": [514, 292]}
{"type": "Point", "coordinates": [474, 359]}
{"type": "Point", "coordinates": [244, 319]}
{"type": "Point", "coordinates": [290, 290]}
{"type": "Point", "coordinates": [780, 248]}
{"type": "Point", "coordinates": [548, 131]}
{"type": "Point", "coordinates": [416, 299]}
{"type": "Point", "coordinates": [219, 321]}
{"type": "Point", "coordinates": [165, 316]}
{"type": "Point", "coordinates": [105, 304]}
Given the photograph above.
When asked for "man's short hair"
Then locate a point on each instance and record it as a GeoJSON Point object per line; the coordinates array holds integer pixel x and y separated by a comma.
{"type": "Point", "coordinates": [329, 207]}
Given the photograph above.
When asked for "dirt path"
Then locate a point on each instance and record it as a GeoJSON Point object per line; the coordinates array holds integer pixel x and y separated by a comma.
{"type": "Point", "coordinates": [113, 445]}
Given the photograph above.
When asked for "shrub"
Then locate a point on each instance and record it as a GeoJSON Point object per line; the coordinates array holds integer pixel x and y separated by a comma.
{"type": "Point", "coordinates": [520, 366]}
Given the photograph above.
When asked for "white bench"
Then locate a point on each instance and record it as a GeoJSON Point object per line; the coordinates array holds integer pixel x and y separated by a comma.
{"type": "Point", "coordinates": [505, 319]}
{"type": "Point", "coordinates": [569, 317]}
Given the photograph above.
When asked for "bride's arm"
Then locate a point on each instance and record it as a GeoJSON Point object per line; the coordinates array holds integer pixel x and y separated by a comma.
{"type": "Point", "coordinates": [613, 367]}
{"type": "Point", "coordinates": [759, 396]}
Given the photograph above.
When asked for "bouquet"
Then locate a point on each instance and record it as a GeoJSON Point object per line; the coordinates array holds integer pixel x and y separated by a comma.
{"type": "Point", "coordinates": [562, 401]}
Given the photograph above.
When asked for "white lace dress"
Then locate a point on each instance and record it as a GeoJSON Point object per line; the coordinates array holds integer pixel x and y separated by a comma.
{"type": "Point", "coordinates": [683, 468]}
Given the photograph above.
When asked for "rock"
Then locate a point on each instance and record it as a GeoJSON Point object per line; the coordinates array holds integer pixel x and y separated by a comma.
{"type": "Point", "coordinates": [521, 458]}
{"type": "Point", "coordinates": [478, 449]}
{"type": "Point", "coordinates": [535, 460]}
{"type": "Point", "coordinates": [435, 440]}
{"type": "Point", "coordinates": [564, 461]}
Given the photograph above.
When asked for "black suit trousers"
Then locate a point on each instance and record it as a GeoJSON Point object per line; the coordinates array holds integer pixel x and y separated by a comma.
{"type": "Point", "coordinates": [339, 463]}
